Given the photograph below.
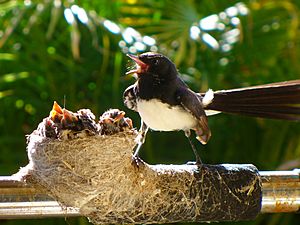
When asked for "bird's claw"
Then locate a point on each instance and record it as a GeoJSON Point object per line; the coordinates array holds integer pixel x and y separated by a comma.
{"type": "Point", "coordinates": [197, 163]}
{"type": "Point", "coordinates": [137, 162]}
{"type": "Point", "coordinates": [191, 163]}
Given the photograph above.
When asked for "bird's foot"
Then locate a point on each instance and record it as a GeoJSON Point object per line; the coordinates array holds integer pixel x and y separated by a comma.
{"type": "Point", "coordinates": [137, 162]}
{"type": "Point", "coordinates": [190, 163]}
{"type": "Point", "coordinates": [197, 163]}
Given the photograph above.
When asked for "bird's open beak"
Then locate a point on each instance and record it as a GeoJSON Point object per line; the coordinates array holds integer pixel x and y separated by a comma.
{"type": "Point", "coordinates": [140, 65]}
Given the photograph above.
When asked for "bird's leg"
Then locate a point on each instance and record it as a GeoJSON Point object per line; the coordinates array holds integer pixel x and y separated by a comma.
{"type": "Point", "coordinates": [198, 159]}
{"type": "Point", "coordinates": [141, 137]}
{"type": "Point", "coordinates": [140, 141]}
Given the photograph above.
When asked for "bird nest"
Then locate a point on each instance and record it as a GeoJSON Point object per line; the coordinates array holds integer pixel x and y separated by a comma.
{"type": "Point", "coordinates": [74, 159]}
{"type": "Point", "coordinates": [71, 170]}
{"type": "Point", "coordinates": [87, 164]}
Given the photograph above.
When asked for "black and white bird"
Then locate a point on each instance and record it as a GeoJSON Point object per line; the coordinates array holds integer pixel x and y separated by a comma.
{"type": "Point", "coordinates": [165, 103]}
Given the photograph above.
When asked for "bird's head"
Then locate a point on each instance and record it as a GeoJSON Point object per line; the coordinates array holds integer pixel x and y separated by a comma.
{"type": "Point", "coordinates": [153, 63]}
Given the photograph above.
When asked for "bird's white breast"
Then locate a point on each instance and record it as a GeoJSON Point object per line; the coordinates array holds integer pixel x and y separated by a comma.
{"type": "Point", "coordinates": [161, 117]}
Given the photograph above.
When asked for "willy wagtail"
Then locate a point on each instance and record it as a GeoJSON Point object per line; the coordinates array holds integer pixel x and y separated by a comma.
{"type": "Point", "coordinates": [165, 103]}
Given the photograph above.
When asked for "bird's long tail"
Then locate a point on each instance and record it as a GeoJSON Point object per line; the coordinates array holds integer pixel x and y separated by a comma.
{"type": "Point", "coordinates": [276, 100]}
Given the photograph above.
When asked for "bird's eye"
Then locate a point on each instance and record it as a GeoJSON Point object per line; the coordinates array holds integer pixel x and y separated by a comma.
{"type": "Point", "coordinates": [156, 61]}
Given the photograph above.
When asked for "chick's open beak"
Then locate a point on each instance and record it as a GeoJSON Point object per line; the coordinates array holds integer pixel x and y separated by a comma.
{"type": "Point", "coordinates": [140, 65]}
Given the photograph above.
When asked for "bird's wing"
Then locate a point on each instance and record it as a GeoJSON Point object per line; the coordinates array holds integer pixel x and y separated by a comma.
{"type": "Point", "coordinates": [190, 102]}
{"type": "Point", "coordinates": [129, 97]}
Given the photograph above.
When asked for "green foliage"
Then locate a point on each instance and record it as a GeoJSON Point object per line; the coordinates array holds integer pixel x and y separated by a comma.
{"type": "Point", "coordinates": [82, 65]}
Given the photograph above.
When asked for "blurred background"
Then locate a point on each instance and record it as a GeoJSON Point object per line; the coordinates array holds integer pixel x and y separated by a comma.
{"type": "Point", "coordinates": [74, 52]}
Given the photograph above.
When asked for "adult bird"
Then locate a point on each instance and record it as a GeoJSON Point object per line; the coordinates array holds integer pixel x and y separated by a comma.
{"type": "Point", "coordinates": [165, 103]}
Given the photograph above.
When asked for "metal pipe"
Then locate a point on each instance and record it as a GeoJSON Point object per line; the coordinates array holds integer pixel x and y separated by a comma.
{"type": "Point", "coordinates": [280, 193]}
{"type": "Point", "coordinates": [18, 201]}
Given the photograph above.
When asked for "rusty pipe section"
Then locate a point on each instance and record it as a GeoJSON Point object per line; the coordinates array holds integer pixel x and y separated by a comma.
{"type": "Point", "coordinates": [280, 193]}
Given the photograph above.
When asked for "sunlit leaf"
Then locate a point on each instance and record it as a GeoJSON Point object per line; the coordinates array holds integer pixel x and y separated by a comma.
{"type": "Point", "coordinates": [11, 77]}
{"type": "Point", "coordinates": [5, 93]}
{"type": "Point", "coordinates": [7, 56]}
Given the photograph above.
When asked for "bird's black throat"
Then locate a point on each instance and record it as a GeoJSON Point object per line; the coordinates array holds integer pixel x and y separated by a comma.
{"type": "Point", "coordinates": [151, 86]}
